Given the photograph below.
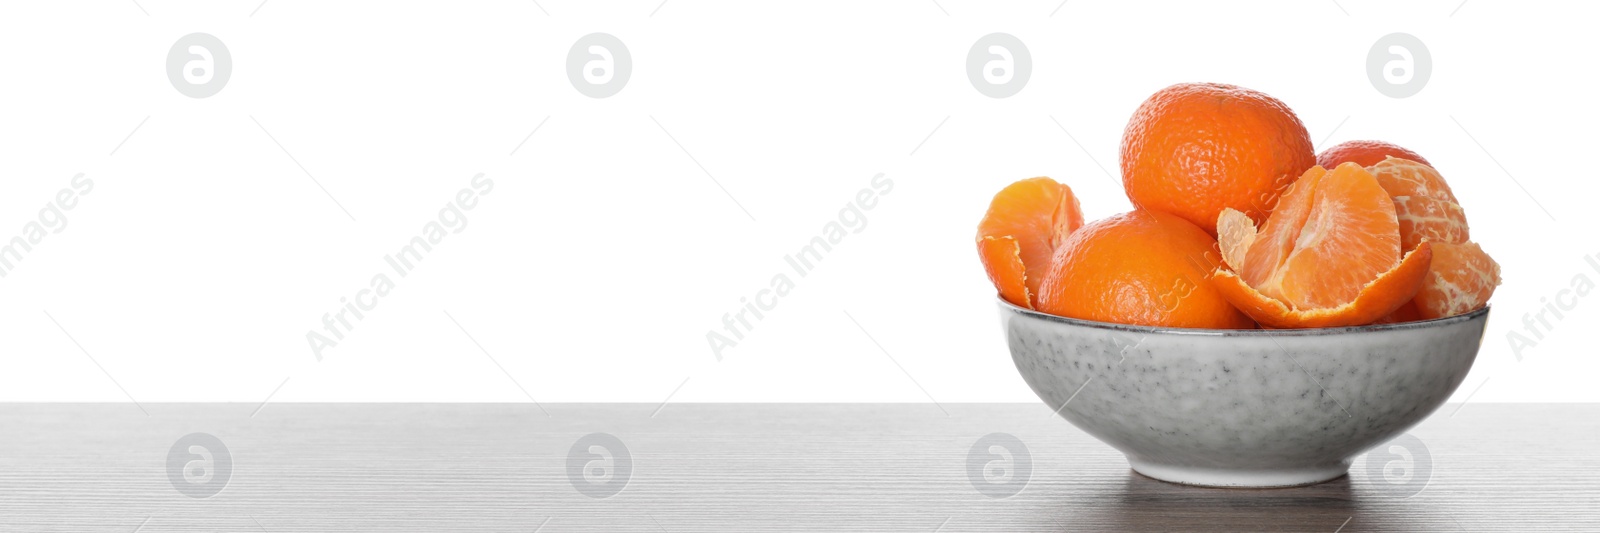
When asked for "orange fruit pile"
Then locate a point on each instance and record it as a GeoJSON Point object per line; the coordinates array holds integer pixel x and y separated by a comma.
{"type": "Point", "coordinates": [1237, 223]}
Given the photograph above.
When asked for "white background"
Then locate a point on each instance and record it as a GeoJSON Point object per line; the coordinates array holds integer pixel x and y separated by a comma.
{"type": "Point", "coordinates": [604, 254]}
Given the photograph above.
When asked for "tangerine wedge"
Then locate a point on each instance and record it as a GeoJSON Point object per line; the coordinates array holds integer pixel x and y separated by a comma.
{"type": "Point", "coordinates": [1018, 236]}
{"type": "Point", "coordinates": [1462, 279]}
{"type": "Point", "coordinates": [1236, 233]}
{"type": "Point", "coordinates": [1328, 254]}
{"type": "Point", "coordinates": [1423, 202]}
{"type": "Point", "coordinates": [1404, 177]}
{"type": "Point", "coordinates": [1432, 219]}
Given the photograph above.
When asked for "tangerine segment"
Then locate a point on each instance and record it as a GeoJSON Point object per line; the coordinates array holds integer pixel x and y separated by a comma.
{"type": "Point", "coordinates": [1330, 236]}
{"type": "Point", "coordinates": [1144, 267]}
{"type": "Point", "coordinates": [1423, 201]}
{"type": "Point", "coordinates": [1423, 218]}
{"type": "Point", "coordinates": [1462, 279]}
{"type": "Point", "coordinates": [1038, 214]}
{"type": "Point", "coordinates": [1238, 232]}
{"type": "Point", "coordinates": [1375, 300]}
{"type": "Point", "coordinates": [1002, 260]}
{"type": "Point", "coordinates": [1404, 177]}
{"type": "Point", "coordinates": [1364, 153]}
{"type": "Point", "coordinates": [1277, 237]}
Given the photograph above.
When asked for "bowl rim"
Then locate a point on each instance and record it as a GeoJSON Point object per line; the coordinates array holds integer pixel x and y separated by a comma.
{"type": "Point", "coordinates": [1206, 332]}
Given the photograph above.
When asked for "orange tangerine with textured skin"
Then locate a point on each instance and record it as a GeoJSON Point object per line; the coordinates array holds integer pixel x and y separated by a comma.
{"type": "Point", "coordinates": [1144, 267]}
{"type": "Point", "coordinates": [1364, 153]}
{"type": "Point", "coordinates": [1195, 149]}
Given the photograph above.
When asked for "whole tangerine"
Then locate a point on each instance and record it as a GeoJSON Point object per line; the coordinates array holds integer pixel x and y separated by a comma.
{"type": "Point", "coordinates": [1194, 149]}
{"type": "Point", "coordinates": [1365, 153]}
{"type": "Point", "coordinates": [1143, 267]}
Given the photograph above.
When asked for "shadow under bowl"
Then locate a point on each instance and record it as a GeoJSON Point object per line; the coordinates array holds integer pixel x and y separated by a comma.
{"type": "Point", "coordinates": [1242, 408]}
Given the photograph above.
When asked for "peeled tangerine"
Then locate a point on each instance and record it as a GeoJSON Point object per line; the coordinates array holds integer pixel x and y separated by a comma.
{"type": "Point", "coordinates": [1019, 235]}
{"type": "Point", "coordinates": [1422, 201]}
{"type": "Point", "coordinates": [1329, 254]}
{"type": "Point", "coordinates": [1461, 277]}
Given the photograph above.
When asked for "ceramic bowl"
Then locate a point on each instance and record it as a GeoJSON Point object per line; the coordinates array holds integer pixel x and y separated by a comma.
{"type": "Point", "coordinates": [1242, 408]}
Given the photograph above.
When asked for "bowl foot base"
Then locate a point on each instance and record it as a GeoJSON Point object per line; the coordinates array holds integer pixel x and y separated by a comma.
{"type": "Point", "coordinates": [1239, 477]}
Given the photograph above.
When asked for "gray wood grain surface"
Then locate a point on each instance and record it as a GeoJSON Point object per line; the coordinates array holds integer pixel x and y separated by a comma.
{"type": "Point", "coordinates": [736, 467]}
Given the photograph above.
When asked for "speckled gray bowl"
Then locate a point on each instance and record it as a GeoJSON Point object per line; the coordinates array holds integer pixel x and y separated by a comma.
{"type": "Point", "coordinates": [1242, 408]}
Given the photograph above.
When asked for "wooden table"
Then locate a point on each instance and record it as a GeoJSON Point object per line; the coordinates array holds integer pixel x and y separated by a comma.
{"type": "Point", "coordinates": [732, 467]}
